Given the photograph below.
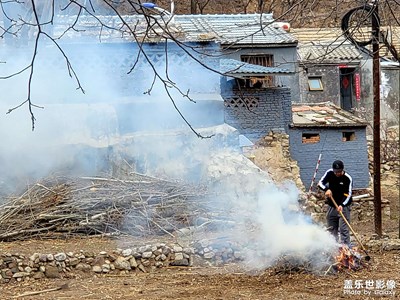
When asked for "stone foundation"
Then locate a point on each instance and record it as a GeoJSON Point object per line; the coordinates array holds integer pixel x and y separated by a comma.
{"type": "Point", "coordinates": [149, 258]}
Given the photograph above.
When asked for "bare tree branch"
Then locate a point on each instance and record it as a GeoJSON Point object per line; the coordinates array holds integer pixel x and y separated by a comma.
{"type": "Point", "coordinates": [159, 25]}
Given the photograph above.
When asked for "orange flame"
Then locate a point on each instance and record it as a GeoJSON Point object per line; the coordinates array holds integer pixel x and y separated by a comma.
{"type": "Point", "coordinates": [348, 258]}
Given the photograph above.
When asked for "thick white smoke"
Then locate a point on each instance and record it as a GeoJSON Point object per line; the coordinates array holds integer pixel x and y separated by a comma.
{"type": "Point", "coordinates": [268, 218]}
{"type": "Point", "coordinates": [287, 231]}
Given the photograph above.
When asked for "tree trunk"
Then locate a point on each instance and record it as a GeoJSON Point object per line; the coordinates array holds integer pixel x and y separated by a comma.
{"type": "Point", "coordinates": [260, 6]}
{"type": "Point", "coordinates": [193, 7]}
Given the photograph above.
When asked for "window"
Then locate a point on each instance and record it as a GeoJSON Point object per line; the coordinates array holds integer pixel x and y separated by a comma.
{"type": "Point", "coordinates": [265, 60]}
{"type": "Point", "coordinates": [315, 84]}
{"type": "Point", "coordinates": [310, 138]}
{"type": "Point", "coordinates": [348, 136]}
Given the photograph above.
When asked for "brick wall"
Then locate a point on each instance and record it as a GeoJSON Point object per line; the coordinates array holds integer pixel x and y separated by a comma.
{"type": "Point", "coordinates": [353, 153]}
{"type": "Point", "coordinates": [256, 112]}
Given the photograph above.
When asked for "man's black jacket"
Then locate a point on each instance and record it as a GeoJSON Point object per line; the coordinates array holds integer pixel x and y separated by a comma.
{"type": "Point", "coordinates": [341, 187]}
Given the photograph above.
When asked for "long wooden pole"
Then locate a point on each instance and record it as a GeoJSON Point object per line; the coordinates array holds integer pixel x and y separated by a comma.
{"type": "Point", "coordinates": [377, 123]}
{"type": "Point", "coordinates": [352, 230]}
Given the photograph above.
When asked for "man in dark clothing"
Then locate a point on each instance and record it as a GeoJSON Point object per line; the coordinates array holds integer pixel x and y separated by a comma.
{"type": "Point", "coordinates": [338, 184]}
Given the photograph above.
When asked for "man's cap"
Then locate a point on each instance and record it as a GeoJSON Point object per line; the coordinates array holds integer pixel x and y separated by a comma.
{"type": "Point", "coordinates": [337, 165]}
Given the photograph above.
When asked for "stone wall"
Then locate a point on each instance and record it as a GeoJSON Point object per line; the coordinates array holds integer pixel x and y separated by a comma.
{"type": "Point", "coordinates": [330, 75]}
{"type": "Point", "coordinates": [390, 147]}
{"type": "Point", "coordinates": [143, 259]}
{"type": "Point", "coordinates": [148, 258]}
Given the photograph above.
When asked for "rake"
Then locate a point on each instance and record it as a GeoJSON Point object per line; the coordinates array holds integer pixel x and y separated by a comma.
{"type": "Point", "coordinates": [367, 257]}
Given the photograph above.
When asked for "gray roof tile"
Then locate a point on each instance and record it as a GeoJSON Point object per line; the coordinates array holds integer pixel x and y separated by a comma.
{"type": "Point", "coordinates": [225, 29]}
{"type": "Point", "coordinates": [324, 51]}
{"type": "Point", "coordinates": [335, 35]}
{"type": "Point", "coordinates": [235, 68]}
{"type": "Point", "coordinates": [238, 29]}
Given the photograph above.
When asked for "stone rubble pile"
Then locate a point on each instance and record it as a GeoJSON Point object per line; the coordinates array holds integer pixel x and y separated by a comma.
{"type": "Point", "coordinates": [384, 244]}
{"type": "Point", "coordinates": [272, 154]}
{"type": "Point", "coordinates": [362, 209]}
{"type": "Point", "coordinates": [217, 253]}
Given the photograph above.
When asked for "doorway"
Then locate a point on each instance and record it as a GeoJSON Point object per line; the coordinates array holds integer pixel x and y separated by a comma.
{"type": "Point", "coordinates": [346, 88]}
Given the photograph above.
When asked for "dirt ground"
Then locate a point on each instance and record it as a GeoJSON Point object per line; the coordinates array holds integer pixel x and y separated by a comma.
{"type": "Point", "coordinates": [228, 282]}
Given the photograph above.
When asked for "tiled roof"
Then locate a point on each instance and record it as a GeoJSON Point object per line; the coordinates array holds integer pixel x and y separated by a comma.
{"type": "Point", "coordinates": [329, 52]}
{"type": "Point", "coordinates": [225, 29]}
{"type": "Point", "coordinates": [238, 29]}
{"type": "Point", "coordinates": [324, 115]}
{"type": "Point", "coordinates": [318, 37]}
{"type": "Point", "coordinates": [325, 45]}
{"type": "Point", "coordinates": [235, 68]}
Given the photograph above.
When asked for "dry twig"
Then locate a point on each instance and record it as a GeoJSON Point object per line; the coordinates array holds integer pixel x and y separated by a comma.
{"type": "Point", "coordinates": [62, 287]}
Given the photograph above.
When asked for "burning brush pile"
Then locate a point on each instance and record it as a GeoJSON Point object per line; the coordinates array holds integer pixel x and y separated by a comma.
{"type": "Point", "coordinates": [344, 260]}
{"type": "Point", "coordinates": [348, 259]}
{"type": "Point", "coordinates": [62, 206]}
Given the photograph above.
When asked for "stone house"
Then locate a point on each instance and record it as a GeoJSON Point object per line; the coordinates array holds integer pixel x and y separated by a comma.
{"type": "Point", "coordinates": [327, 130]}
{"type": "Point", "coordinates": [333, 69]}
{"type": "Point", "coordinates": [256, 66]}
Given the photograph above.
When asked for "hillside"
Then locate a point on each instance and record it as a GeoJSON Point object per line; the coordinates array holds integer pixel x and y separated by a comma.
{"type": "Point", "coordinates": [326, 13]}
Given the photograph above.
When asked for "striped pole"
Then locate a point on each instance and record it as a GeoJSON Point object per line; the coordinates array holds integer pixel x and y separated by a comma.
{"type": "Point", "coordinates": [315, 173]}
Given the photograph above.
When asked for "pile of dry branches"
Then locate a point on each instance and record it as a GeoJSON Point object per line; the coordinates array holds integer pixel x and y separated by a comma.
{"type": "Point", "coordinates": [285, 265]}
{"type": "Point", "coordinates": [61, 206]}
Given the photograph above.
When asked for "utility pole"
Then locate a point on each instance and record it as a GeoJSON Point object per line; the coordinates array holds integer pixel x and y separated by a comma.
{"type": "Point", "coordinates": [376, 127]}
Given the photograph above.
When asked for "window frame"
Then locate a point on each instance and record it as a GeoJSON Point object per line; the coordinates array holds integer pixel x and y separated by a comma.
{"type": "Point", "coordinates": [262, 59]}
{"type": "Point", "coordinates": [310, 137]}
{"type": "Point", "coordinates": [348, 136]}
{"type": "Point", "coordinates": [313, 78]}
